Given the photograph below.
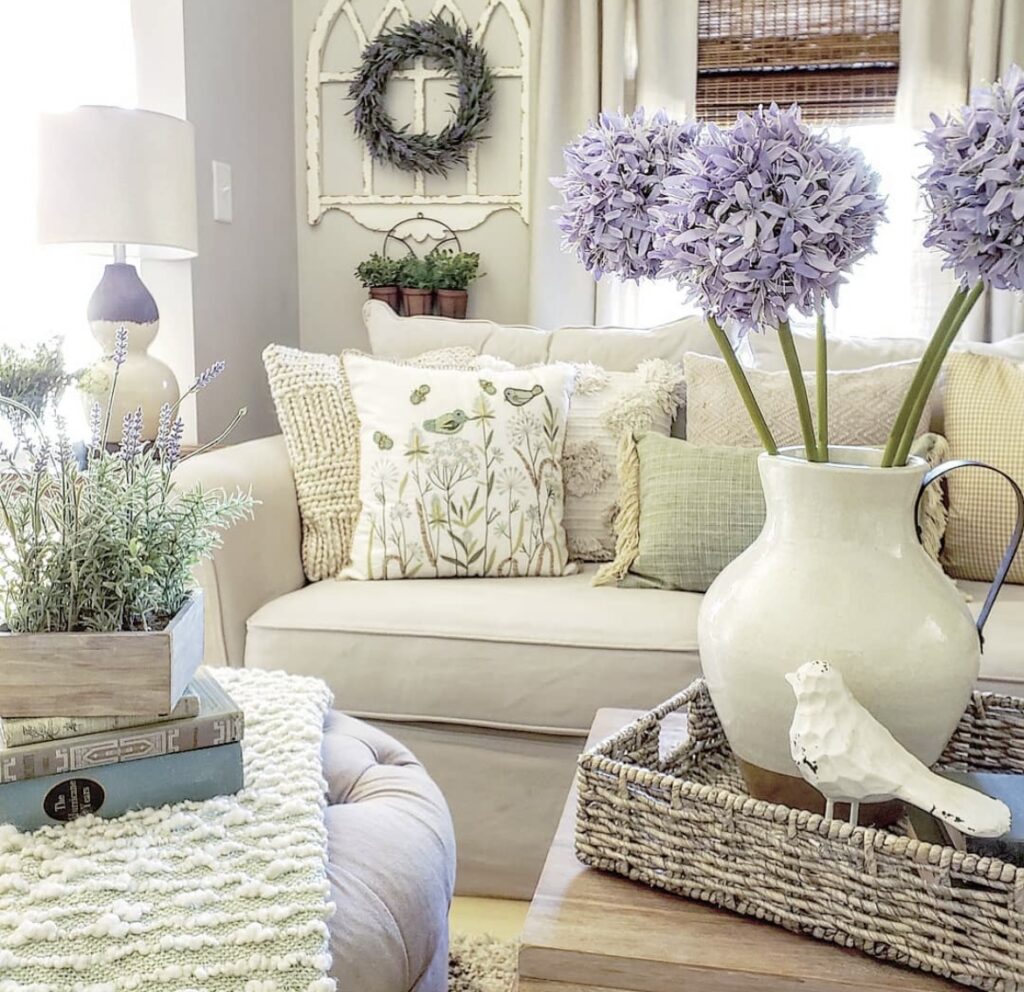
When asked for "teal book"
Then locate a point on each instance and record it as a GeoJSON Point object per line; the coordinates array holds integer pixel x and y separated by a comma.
{"type": "Point", "coordinates": [110, 790]}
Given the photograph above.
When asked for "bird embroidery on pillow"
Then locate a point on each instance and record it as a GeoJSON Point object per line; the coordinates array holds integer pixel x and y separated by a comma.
{"type": "Point", "coordinates": [447, 423]}
{"type": "Point", "coordinates": [520, 397]}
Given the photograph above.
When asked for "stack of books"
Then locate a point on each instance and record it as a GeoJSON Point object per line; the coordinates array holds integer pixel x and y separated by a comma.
{"type": "Point", "coordinates": [55, 769]}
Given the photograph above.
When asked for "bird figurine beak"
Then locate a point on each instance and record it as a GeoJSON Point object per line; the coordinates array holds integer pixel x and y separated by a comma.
{"type": "Point", "coordinates": [791, 678]}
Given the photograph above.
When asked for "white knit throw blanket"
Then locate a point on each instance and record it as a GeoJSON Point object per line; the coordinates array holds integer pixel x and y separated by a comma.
{"type": "Point", "coordinates": [227, 895]}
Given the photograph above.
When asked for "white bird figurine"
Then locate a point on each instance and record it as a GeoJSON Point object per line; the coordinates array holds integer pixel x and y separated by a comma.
{"type": "Point", "coordinates": [848, 756]}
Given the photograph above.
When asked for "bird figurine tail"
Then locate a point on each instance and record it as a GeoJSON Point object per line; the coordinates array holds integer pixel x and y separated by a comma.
{"type": "Point", "coordinates": [971, 812]}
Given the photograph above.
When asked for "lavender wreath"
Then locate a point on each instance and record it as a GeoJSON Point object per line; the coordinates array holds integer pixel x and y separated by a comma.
{"type": "Point", "coordinates": [442, 42]}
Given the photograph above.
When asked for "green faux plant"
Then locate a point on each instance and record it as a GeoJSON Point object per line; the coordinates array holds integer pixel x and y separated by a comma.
{"type": "Point", "coordinates": [454, 270]}
{"type": "Point", "coordinates": [416, 273]}
{"type": "Point", "coordinates": [379, 271]}
{"type": "Point", "coordinates": [110, 547]}
{"type": "Point", "coordinates": [34, 378]}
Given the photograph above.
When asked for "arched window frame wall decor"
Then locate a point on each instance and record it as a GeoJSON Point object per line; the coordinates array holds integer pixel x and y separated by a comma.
{"type": "Point", "coordinates": [379, 212]}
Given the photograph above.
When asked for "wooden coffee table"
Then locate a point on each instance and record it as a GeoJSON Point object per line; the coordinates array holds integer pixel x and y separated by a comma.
{"type": "Point", "coordinates": [588, 931]}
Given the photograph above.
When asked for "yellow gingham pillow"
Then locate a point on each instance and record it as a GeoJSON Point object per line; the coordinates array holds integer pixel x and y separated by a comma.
{"type": "Point", "coordinates": [984, 421]}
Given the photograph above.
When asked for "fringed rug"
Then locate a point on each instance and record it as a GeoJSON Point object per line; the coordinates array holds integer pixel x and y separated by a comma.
{"type": "Point", "coordinates": [481, 964]}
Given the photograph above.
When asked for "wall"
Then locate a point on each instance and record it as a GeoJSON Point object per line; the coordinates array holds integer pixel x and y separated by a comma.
{"type": "Point", "coordinates": [238, 75]}
{"type": "Point", "coordinates": [330, 298]}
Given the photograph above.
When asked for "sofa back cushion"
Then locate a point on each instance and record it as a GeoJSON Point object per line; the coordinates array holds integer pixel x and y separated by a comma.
{"type": "Point", "coordinates": [617, 349]}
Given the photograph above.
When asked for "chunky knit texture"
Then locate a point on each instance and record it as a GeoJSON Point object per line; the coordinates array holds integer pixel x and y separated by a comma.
{"type": "Point", "coordinates": [227, 895]}
{"type": "Point", "coordinates": [314, 407]}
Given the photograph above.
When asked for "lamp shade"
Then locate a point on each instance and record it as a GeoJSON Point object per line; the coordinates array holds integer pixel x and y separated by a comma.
{"type": "Point", "coordinates": [113, 176]}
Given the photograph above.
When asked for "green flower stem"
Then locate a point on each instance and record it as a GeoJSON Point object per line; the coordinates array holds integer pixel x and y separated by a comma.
{"type": "Point", "coordinates": [903, 416]}
{"type": "Point", "coordinates": [746, 393]}
{"type": "Point", "coordinates": [822, 387]}
{"type": "Point", "coordinates": [803, 404]}
{"type": "Point", "coordinates": [932, 373]}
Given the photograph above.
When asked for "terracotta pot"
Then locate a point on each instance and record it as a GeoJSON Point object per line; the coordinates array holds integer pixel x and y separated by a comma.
{"type": "Point", "coordinates": [387, 294]}
{"type": "Point", "coordinates": [452, 303]}
{"type": "Point", "coordinates": [838, 574]}
{"type": "Point", "coordinates": [417, 302]}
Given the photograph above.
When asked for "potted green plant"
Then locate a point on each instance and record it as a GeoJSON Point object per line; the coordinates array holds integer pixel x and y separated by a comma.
{"type": "Point", "coordinates": [380, 275]}
{"type": "Point", "coordinates": [34, 378]}
{"type": "Point", "coordinates": [96, 565]}
{"type": "Point", "coordinates": [416, 280]}
{"type": "Point", "coordinates": [453, 272]}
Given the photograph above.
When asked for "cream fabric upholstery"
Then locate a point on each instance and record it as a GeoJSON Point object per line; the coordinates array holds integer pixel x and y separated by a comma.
{"type": "Point", "coordinates": [538, 654]}
{"type": "Point", "coordinates": [260, 558]}
{"type": "Point", "coordinates": [616, 349]}
{"type": "Point", "coordinates": [391, 863]}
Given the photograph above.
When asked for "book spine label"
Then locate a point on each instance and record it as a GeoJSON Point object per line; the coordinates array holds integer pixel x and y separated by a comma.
{"type": "Point", "coordinates": [110, 790]}
{"type": "Point", "coordinates": [77, 754]}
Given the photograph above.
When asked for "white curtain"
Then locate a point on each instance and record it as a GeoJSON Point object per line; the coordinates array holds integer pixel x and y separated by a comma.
{"type": "Point", "coordinates": [947, 47]}
{"type": "Point", "coordinates": [599, 55]}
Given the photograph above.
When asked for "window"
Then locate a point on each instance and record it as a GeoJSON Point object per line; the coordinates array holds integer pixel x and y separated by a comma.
{"type": "Point", "coordinates": [839, 59]}
{"type": "Point", "coordinates": [53, 56]}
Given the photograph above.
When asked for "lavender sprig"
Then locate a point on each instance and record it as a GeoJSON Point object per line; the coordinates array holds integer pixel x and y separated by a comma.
{"type": "Point", "coordinates": [614, 176]}
{"type": "Point", "coordinates": [120, 347]}
{"type": "Point", "coordinates": [207, 376]}
{"type": "Point", "coordinates": [131, 435]}
{"type": "Point", "coordinates": [95, 425]}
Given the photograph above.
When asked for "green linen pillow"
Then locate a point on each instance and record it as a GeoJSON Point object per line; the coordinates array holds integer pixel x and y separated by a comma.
{"type": "Point", "coordinates": [686, 510]}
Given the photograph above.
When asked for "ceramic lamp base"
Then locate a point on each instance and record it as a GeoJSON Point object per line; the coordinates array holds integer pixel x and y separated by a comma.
{"type": "Point", "coordinates": [121, 300]}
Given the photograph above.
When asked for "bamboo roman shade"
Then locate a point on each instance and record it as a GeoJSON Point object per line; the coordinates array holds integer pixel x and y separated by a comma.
{"type": "Point", "coordinates": [839, 59]}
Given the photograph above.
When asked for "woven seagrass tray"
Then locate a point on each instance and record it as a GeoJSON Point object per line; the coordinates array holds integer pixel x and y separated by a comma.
{"type": "Point", "coordinates": [680, 821]}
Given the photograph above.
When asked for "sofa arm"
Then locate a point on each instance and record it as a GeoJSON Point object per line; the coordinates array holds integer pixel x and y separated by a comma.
{"type": "Point", "coordinates": [261, 558]}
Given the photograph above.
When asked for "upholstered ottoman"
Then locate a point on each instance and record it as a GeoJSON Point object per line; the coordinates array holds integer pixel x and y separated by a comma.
{"type": "Point", "coordinates": [391, 863]}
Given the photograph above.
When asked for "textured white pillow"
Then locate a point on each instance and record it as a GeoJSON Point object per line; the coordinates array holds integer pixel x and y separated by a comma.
{"type": "Point", "coordinates": [459, 472]}
{"type": "Point", "coordinates": [862, 406]}
{"type": "Point", "coordinates": [607, 406]}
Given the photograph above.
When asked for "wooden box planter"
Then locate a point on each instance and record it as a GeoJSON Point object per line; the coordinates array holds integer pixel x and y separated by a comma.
{"type": "Point", "coordinates": [109, 674]}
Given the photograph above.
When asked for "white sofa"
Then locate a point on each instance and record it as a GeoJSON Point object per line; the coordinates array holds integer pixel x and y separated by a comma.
{"type": "Point", "coordinates": [492, 684]}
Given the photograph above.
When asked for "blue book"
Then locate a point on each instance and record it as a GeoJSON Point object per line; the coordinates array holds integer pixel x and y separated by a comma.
{"type": "Point", "coordinates": [110, 790]}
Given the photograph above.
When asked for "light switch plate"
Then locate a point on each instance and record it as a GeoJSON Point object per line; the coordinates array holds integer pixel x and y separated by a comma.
{"type": "Point", "coordinates": [223, 208]}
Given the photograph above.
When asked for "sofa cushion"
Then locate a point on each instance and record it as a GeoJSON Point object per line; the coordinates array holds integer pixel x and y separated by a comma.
{"type": "Point", "coordinates": [537, 654]}
{"type": "Point", "coordinates": [617, 349]}
{"type": "Point", "coordinates": [533, 654]}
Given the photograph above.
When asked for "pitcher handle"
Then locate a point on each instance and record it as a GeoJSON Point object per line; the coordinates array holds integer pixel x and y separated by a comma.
{"type": "Point", "coordinates": [1015, 539]}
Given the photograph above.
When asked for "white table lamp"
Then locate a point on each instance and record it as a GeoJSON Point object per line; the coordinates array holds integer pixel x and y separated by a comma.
{"type": "Point", "coordinates": [121, 180]}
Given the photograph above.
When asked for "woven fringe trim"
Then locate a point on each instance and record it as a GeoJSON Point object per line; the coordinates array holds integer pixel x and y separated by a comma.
{"type": "Point", "coordinates": [934, 513]}
{"type": "Point", "coordinates": [627, 520]}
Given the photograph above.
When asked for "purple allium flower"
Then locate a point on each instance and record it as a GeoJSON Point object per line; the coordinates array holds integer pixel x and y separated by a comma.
{"type": "Point", "coordinates": [614, 175]}
{"type": "Point", "coordinates": [120, 346]}
{"type": "Point", "coordinates": [765, 217]}
{"type": "Point", "coordinates": [206, 377]}
{"type": "Point", "coordinates": [974, 186]}
{"type": "Point", "coordinates": [131, 434]}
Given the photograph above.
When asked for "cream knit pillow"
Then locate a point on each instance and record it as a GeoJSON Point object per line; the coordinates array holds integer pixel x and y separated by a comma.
{"type": "Point", "coordinates": [321, 432]}
{"type": "Point", "coordinates": [863, 404]}
{"type": "Point", "coordinates": [984, 421]}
